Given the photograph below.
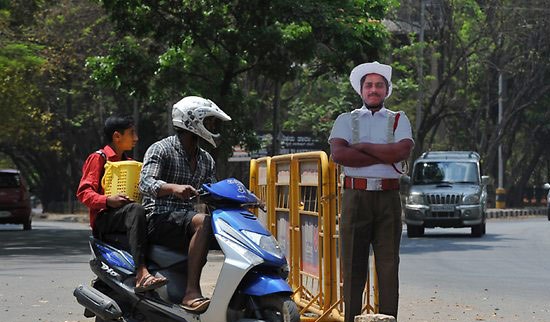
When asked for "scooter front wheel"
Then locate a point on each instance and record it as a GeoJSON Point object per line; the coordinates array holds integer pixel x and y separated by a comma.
{"type": "Point", "coordinates": [278, 308]}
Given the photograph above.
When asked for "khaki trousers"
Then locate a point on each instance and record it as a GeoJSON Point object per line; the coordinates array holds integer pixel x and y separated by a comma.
{"type": "Point", "coordinates": [370, 218]}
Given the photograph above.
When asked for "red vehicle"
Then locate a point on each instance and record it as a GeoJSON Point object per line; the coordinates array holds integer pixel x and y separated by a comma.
{"type": "Point", "coordinates": [15, 204]}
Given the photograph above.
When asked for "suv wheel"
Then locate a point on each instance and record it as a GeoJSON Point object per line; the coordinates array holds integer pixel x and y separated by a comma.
{"type": "Point", "coordinates": [415, 231]}
{"type": "Point", "coordinates": [27, 225]}
{"type": "Point", "coordinates": [478, 230]}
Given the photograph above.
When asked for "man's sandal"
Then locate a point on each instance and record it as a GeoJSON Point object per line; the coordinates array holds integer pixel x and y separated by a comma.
{"type": "Point", "coordinates": [198, 305]}
{"type": "Point", "coordinates": [150, 282]}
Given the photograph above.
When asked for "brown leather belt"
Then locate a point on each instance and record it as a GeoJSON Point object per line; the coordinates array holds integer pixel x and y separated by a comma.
{"type": "Point", "coordinates": [371, 184]}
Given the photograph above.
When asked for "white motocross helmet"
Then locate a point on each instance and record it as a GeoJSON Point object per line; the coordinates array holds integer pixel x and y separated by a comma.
{"type": "Point", "coordinates": [190, 112]}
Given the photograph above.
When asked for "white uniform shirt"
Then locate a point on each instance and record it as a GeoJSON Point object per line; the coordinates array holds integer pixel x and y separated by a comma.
{"type": "Point", "coordinates": [372, 129]}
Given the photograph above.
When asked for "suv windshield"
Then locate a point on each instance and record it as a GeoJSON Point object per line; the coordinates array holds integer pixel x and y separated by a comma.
{"type": "Point", "coordinates": [445, 172]}
{"type": "Point", "coordinates": [9, 180]}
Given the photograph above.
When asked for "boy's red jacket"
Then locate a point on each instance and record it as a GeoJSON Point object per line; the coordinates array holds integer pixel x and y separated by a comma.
{"type": "Point", "coordinates": [89, 190]}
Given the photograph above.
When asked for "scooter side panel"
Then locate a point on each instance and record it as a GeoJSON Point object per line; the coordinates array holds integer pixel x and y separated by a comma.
{"type": "Point", "coordinates": [118, 259]}
{"type": "Point", "coordinates": [260, 284]}
{"type": "Point", "coordinates": [234, 268]}
{"type": "Point", "coordinates": [241, 219]}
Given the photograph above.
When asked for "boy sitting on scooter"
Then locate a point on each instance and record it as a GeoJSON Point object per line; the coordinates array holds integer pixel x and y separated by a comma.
{"type": "Point", "coordinates": [172, 169]}
{"type": "Point", "coordinates": [117, 213]}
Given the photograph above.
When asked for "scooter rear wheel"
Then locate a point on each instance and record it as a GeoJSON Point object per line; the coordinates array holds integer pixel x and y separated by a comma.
{"type": "Point", "coordinates": [278, 308]}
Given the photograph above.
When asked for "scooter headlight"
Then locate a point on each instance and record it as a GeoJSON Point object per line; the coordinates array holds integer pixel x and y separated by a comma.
{"type": "Point", "coordinates": [238, 248]}
{"type": "Point", "coordinates": [231, 237]}
{"type": "Point", "coordinates": [267, 243]}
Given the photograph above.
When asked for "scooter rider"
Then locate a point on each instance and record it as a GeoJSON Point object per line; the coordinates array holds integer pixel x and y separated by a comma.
{"type": "Point", "coordinates": [173, 168]}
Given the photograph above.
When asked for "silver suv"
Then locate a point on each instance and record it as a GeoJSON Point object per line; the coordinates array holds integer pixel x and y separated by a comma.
{"type": "Point", "coordinates": [446, 190]}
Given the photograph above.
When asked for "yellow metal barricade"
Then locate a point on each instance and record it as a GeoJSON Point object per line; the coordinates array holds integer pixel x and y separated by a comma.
{"type": "Point", "coordinates": [316, 227]}
{"type": "Point", "coordinates": [302, 196]}
{"type": "Point", "coordinates": [281, 226]}
{"type": "Point", "coordinates": [260, 183]}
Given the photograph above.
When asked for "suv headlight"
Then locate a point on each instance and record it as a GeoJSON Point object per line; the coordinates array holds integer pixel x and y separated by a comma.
{"type": "Point", "coordinates": [415, 198]}
{"type": "Point", "coordinates": [470, 199]}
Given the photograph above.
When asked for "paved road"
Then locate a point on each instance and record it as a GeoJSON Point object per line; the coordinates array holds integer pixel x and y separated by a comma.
{"type": "Point", "coordinates": [445, 276]}
{"type": "Point", "coordinates": [39, 270]}
{"type": "Point", "coordinates": [504, 276]}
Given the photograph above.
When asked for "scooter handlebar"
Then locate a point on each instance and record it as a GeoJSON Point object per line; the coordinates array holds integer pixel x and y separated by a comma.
{"type": "Point", "coordinates": [200, 193]}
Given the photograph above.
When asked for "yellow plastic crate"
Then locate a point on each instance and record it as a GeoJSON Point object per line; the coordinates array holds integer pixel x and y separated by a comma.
{"type": "Point", "coordinates": [122, 177]}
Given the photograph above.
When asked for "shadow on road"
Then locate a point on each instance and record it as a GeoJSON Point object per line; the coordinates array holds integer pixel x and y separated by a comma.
{"type": "Point", "coordinates": [433, 242]}
{"type": "Point", "coordinates": [48, 241]}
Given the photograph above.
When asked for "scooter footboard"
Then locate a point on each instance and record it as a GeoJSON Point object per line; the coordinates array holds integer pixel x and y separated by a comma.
{"type": "Point", "coordinates": [259, 284]}
{"type": "Point", "coordinates": [177, 282]}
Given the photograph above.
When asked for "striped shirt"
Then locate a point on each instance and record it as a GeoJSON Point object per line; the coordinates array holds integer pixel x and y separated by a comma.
{"type": "Point", "coordinates": [167, 162]}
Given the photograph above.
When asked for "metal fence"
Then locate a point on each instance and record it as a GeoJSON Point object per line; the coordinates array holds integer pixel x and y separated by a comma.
{"type": "Point", "coordinates": [302, 196]}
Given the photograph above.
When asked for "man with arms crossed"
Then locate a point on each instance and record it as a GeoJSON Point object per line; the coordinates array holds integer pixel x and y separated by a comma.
{"type": "Point", "coordinates": [370, 143]}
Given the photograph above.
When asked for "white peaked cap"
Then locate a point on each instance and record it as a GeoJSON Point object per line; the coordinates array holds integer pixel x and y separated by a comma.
{"type": "Point", "coordinates": [370, 68]}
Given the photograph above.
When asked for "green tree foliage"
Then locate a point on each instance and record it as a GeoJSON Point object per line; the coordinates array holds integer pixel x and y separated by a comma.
{"type": "Point", "coordinates": [21, 69]}
{"type": "Point", "coordinates": [45, 99]}
{"type": "Point", "coordinates": [234, 53]}
{"type": "Point", "coordinates": [521, 55]}
{"type": "Point", "coordinates": [467, 44]}
{"type": "Point", "coordinates": [268, 63]}
{"type": "Point", "coordinates": [237, 52]}
{"type": "Point", "coordinates": [317, 104]}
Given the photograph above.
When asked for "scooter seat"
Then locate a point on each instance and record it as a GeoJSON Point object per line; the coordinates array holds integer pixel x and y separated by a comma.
{"type": "Point", "coordinates": [117, 240]}
{"type": "Point", "coordinates": [161, 255]}
{"type": "Point", "coordinates": [164, 256]}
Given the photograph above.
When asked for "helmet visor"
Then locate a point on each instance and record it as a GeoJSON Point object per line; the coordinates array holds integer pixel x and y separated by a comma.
{"type": "Point", "coordinates": [212, 124]}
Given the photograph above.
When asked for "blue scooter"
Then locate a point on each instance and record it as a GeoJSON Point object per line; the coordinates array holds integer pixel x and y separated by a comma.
{"type": "Point", "coordinates": [251, 285]}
